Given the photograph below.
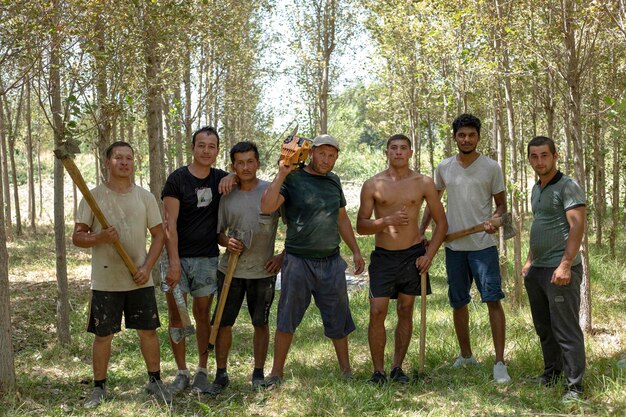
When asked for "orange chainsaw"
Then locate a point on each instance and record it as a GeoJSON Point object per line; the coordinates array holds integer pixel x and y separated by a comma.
{"type": "Point", "coordinates": [295, 150]}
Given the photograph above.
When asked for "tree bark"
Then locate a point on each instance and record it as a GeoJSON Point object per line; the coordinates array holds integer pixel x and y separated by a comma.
{"type": "Point", "coordinates": [14, 124]}
{"type": "Point", "coordinates": [63, 305]}
{"type": "Point", "coordinates": [6, 189]}
{"type": "Point", "coordinates": [7, 364]}
{"type": "Point", "coordinates": [29, 158]}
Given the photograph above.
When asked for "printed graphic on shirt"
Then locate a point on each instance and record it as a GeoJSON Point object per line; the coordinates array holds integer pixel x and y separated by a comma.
{"type": "Point", "coordinates": [204, 196]}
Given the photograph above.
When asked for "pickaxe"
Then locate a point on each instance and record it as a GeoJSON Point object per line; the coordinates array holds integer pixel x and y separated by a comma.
{"type": "Point", "coordinates": [246, 239]}
{"type": "Point", "coordinates": [65, 152]}
{"type": "Point", "coordinates": [502, 221]}
{"type": "Point", "coordinates": [178, 334]}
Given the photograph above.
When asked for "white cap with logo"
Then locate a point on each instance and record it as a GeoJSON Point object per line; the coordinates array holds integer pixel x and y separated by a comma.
{"type": "Point", "coordinates": [326, 140]}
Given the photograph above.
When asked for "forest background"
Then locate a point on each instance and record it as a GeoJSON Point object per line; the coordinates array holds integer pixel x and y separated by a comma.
{"type": "Point", "coordinates": [150, 72]}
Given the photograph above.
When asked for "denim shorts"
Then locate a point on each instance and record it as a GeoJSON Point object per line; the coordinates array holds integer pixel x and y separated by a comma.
{"type": "Point", "coordinates": [325, 280]}
{"type": "Point", "coordinates": [481, 266]}
{"type": "Point", "coordinates": [198, 276]}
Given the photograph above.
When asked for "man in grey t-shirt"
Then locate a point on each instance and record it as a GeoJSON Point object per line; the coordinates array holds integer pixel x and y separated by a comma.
{"type": "Point", "coordinates": [255, 274]}
{"type": "Point", "coordinates": [473, 182]}
{"type": "Point", "coordinates": [553, 271]}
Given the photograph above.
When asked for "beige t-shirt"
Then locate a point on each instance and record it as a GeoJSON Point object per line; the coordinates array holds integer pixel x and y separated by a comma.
{"type": "Point", "coordinates": [132, 214]}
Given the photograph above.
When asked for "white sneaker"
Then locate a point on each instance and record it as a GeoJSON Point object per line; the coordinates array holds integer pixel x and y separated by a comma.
{"type": "Point", "coordinates": [461, 362]}
{"type": "Point", "coordinates": [500, 374]}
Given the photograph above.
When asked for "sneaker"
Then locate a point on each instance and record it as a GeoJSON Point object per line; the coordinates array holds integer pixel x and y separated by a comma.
{"type": "Point", "coordinates": [272, 382]}
{"type": "Point", "coordinates": [257, 383]}
{"type": "Point", "coordinates": [378, 378]}
{"type": "Point", "coordinates": [218, 385]}
{"type": "Point", "coordinates": [461, 362]}
{"type": "Point", "coordinates": [96, 397]}
{"type": "Point", "coordinates": [398, 375]}
{"type": "Point", "coordinates": [500, 374]}
{"type": "Point", "coordinates": [547, 380]}
{"type": "Point", "coordinates": [200, 383]}
{"type": "Point", "coordinates": [181, 383]}
{"type": "Point", "coordinates": [571, 396]}
{"type": "Point", "coordinates": [347, 376]}
{"type": "Point", "coordinates": [159, 391]}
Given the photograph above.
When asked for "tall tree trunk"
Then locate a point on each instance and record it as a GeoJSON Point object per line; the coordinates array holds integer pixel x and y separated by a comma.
{"type": "Point", "coordinates": [7, 363]}
{"type": "Point", "coordinates": [153, 100]}
{"type": "Point", "coordinates": [599, 183]}
{"type": "Point", "coordinates": [4, 167]}
{"type": "Point", "coordinates": [178, 134]}
{"type": "Point", "coordinates": [14, 124]}
{"type": "Point", "coordinates": [39, 179]}
{"type": "Point", "coordinates": [63, 305]}
{"type": "Point", "coordinates": [104, 114]}
{"type": "Point", "coordinates": [187, 84]}
{"type": "Point", "coordinates": [615, 196]}
{"type": "Point", "coordinates": [29, 158]}
{"type": "Point", "coordinates": [573, 103]}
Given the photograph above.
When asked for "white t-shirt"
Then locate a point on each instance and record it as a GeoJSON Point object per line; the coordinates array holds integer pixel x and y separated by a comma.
{"type": "Point", "coordinates": [132, 214]}
{"type": "Point", "coordinates": [470, 198]}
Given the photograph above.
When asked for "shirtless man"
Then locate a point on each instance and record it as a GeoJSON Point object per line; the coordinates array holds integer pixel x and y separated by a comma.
{"type": "Point", "coordinates": [395, 195]}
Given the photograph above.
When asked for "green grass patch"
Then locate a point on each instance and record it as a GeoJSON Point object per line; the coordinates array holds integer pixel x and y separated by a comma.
{"type": "Point", "coordinates": [54, 380]}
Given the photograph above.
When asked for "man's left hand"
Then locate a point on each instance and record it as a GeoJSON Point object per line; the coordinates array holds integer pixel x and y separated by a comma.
{"type": "Point", "coordinates": [562, 275]}
{"type": "Point", "coordinates": [359, 263]}
{"type": "Point", "coordinates": [490, 228]}
{"type": "Point", "coordinates": [423, 263]}
{"type": "Point", "coordinates": [141, 276]}
{"type": "Point", "coordinates": [227, 184]}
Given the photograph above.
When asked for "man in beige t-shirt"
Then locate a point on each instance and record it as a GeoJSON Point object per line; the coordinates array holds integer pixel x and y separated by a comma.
{"type": "Point", "coordinates": [131, 210]}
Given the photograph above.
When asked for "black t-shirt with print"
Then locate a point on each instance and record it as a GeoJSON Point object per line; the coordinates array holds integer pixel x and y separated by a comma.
{"type": "Point", "coordinates": [197, 218]}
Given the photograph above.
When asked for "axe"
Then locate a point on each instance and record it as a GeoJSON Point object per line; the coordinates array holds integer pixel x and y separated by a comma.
{"type": "Point", "coordinates": [65, 152]}
{"type": "Point", "coordinates": [246, 239]}
{"type": "Point", "coordinates": [177, 334]}
{"type": "Point", "coordinates": [503, 221]}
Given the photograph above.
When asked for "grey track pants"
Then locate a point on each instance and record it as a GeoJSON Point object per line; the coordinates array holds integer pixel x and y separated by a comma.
{"type": "Point", "coordinates": [555, 310]}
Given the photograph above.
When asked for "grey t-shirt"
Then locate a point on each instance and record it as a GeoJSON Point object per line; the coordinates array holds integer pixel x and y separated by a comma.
{"type": "Point", "coordinates": [550, 228]}
{"type": "Point", "coordinates": [470, 198]}
{"type": "Point", "coordinates": [240, 210]}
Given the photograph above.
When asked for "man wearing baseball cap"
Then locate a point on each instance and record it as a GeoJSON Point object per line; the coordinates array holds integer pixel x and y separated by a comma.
{"type": "Point", "coordinates": [316, 218]}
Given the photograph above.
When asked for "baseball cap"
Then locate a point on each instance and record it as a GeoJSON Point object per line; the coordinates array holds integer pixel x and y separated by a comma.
{"type": "Point", "coordinates": [326, 140]}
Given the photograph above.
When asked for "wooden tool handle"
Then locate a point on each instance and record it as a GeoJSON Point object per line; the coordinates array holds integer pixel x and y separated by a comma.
{"type": "Point", "coordinates": [422, 322]}
{"type": "Point", "coordinates": [78, 179]}
{"type": "Point", "coordinates": [495, 221]}
{"type": "Point", "coordinates": [232, 265]}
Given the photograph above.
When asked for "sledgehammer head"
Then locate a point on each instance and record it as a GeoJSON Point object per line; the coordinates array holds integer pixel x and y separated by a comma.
{"type": "Point", "coordinates": [177, 334]}
{"type": "Point", "coordinates": [507, 223]}
{"type": "Point", "coordinates": [67, 149]}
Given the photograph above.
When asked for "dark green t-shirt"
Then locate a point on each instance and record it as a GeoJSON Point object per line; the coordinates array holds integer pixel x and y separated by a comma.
{"type": "Point", "coordinates": [311, 211]}
{"type": "Point", "coordinates": [550, 228]}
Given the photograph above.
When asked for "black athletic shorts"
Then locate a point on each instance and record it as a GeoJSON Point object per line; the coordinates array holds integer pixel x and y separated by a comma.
{"type": "Point", "coordinates": [259, 294]}
{"type": "Point", "coordinates": [394, 271]}
{"type": "Point", "coordinates": [138, 306]}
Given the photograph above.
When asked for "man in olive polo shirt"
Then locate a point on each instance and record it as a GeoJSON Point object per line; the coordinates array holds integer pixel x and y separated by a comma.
{"type": "Point", "coordinates": [553, 269]}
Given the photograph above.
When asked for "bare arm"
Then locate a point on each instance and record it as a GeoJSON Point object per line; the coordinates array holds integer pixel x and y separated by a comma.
{"type": "Point", "coordinates": [500, 200]}
{"type": "Point", "coordinates": [272, 199]}
{"type": "Point", "coordinates": [347, 234]}
{"type": "Point", "coordinates": [576, 219]}
{"type": "Point", "coordinates": [171, 209]}
{"type": "Point", "coordinates": [438, 214]}
{"type": "Point", "coordinates": [83, 237]}
{"type": "Point", "coordinates": [156, 245]}
{"type": "Point", "coordinates": [426, 217]}
{"type": "Point", "coordinates": [365, 225]}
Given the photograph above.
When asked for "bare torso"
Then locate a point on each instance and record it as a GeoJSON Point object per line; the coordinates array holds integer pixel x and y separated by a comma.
{"type": "Point", "coordinates": [391, 195]}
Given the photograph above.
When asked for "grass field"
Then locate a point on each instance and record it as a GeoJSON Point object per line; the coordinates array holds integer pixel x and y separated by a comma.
{"type": "Point", "coordinates": [54, 380]}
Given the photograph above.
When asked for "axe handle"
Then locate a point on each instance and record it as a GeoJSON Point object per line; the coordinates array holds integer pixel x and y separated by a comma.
{"type": "Point", "coordinates": [78, 179]}
{"type": "Point", "coordinates": [232, 265]}
{"type": "Point", "coordinates": [422, 322]}
{"type": "Point", "coordinates": [495, 221]}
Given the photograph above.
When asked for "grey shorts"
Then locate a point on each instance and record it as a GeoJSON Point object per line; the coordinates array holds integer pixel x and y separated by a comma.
{"type": "Point", "coordinates": [198, 276]}
{"type": "Point", "coordinates": [325, 280]}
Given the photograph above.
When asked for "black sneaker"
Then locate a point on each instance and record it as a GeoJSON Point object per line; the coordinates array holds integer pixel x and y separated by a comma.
{"type": "Point", "coordinates": [219, 384]}
{"type": "Point", "coordinates": [378, 378]}
{"type": "Point", "coordinates": [398, 375]}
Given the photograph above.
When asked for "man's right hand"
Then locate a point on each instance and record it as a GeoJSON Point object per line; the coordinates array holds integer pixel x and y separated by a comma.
{"type": "Point", "coordinates": [235, 246]}
{"type": "Point", "coordinates": [399, 218]}
{"type": "Point", "coordinates": [526, 268]}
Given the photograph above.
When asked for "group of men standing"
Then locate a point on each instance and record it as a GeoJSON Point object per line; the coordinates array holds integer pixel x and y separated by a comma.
{"type": "Point", "coordinates": [205, 207]}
